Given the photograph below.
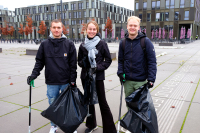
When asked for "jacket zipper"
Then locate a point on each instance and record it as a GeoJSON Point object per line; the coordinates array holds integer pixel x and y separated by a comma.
{"type": "Point", "coordinates": [131, 60]}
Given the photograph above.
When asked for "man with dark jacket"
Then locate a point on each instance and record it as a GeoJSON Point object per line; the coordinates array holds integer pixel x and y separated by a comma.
{"type": "Point", "coordinates": [136, 63]}
{"type": "Point", "coordinates": [59, 57]}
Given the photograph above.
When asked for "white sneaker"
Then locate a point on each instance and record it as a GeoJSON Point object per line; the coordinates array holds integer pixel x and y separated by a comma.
{"type": "Point", "coordinates": [123, 129]}
{"type": "Point", "coordinates": [53, 129]}
{"type": "Point", "coordinates": [127, 131]}
{"type": "Point", "coordinates": [75, 132]}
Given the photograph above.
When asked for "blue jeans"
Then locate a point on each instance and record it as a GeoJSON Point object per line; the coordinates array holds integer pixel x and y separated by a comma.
{"type": "Point", "coordinates": [53, 92]}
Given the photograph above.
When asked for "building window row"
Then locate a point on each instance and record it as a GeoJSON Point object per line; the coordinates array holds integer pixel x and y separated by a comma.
{"type": "Point", "coordinates": [168, 4]}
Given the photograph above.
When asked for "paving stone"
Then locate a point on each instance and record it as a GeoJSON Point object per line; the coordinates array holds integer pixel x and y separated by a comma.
{"type": "Point", "coordinates": [38, 94]}
{"type": "Point", "coordinates": [193, 119]}
{"type": "Point", "coordinates": [18, 121]}
{"type": "Point", "coordinates": [8, 107]}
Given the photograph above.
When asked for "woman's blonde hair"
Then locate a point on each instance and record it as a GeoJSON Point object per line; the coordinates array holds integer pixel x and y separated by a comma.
{"type": "Point", "coordinates": [135, 18]}
{"type": "Point", "coordinates": [93, 22]}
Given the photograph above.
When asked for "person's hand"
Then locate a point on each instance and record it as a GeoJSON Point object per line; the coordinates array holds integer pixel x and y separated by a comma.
{"type": "Point", "coordinates": [29, 79]}
{"type": "Point", "coordinates": [73, 84]}
{"type": "Point", "coordinates": [150, 84]}
{"type": "Point", "coordinates": [122, 78]}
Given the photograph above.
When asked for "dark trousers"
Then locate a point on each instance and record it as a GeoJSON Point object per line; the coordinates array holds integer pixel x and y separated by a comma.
{"type": "Point", "coordinates": [107, 118]}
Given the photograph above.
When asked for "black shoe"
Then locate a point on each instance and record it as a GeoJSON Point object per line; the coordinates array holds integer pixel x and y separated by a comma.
{"type": "Point", "coordinates": [90, 130]}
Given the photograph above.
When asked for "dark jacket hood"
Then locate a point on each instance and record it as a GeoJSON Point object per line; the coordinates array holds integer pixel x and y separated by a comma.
{"type": "Point", "coordinates": [56, 41]}
{"type": "Point", "coordinates": [140, 35]}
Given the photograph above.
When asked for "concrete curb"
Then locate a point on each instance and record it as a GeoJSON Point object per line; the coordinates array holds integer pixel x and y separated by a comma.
{"type": "Point", "coordinates": [162, 54]}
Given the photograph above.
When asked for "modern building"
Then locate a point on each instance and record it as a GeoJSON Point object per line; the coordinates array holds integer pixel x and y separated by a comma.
{"type": "Point", "coordinates": [6, 16]}
{"type": "Point", "coordinates": [169, 14]}
{"type": "Point", "coordinates": [74, 14]}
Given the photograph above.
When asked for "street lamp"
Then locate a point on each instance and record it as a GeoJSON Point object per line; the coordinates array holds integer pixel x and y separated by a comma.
{"type": "Point", "coordinates": [61, 12]}
{"type": "Point", "coordinates": [121, 22]}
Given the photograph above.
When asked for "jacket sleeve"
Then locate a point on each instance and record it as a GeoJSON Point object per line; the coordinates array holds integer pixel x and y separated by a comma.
{"type": "Point", "coordinates": [151, 60]}
{"type": "Point", "coordinates": [106, 63]}
{"type": "Point", "coordinates": [120, 59]}
{"type": "Point", "coordinates": [73, 62]}
{"type": "Point", "coordinates": [40, 60]}
{"type": "Point", "coordinates": [80, 56]}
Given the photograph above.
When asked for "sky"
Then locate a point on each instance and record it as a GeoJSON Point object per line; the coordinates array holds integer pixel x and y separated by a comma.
{"type": "Point", "coordinates": [12, 4]}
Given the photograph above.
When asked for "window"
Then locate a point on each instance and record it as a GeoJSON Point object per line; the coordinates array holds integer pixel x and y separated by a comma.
{"type": "Point", "coordinates": [70, 15]}
{"type": "Point", "coordinates": [192, 3]}
{"type": "Point", "coordinates": [84, 13]}
{"type": "Point", "coordinates": [153, 5]}
{"type": "Point", "coordinates": [56, 16]}
{"type": "Point", "coordinates": [172, 4]}
{"type": "Point", "coordinates": [186, 15]}
{"type": "Point", "coordinates": [157, 16]}
{"type": "Point", "coordinates": [148, 17]}
{"type": "Point", "coordinates": [64, 15]}
{"type": "Point", "coordinates": [97, 5]}
{"type": "Point", "coordinates": [79, 14]}
{"type": "Point", "coordinates": [162, 16]}
{"type": "Point", "coordinates": [176, 14]}
{"type": "Point", "coordinates": [52, 8]}
{"type": "Point", "coordinates": [19, 11]}
{"type": "Point", "coordinates": [166, 16]}
{"type": "Point", "coordinates": [182, 3]}
{"type": "Point", "coordinates": [136, 6]}
{"type": "Point", "coordinates": [87, 4]}
{"type": "Point", "coordinates": [28, 11]}
{"type": "Point", "coordinates": [90, 13]}
{"type": "Point", "coordinates": [34, 10]}
{"type": "Point", "coordinates": [66, 7]}
{"type": "Point", "coordinates": [40, 9]}
{"type": "Point", "coordinates": [72, 6]}
{"type": "Point", "coordinates": [58, 7]}
{"type": "Point", "coordinates": [74, 14]}
{"type": "Point", "coordinates": [23, 12]}
{"type": "Point", "coordinates": [80, 5]}
{"type": "Point", "coordinates": [167, 4]}
{"type": "Point", "coordinates": [45, 9]}
{"type": "Point", "coordinates": [92, 4]}
{"type": "Point", "coordinates": [80, 22]}
{"type": "Point", "coordinates": [158, 5]}
{"type": "Point", "coordinates": [99, 14]}
{"type": "Point", "coordinates": [145, 6]}
{"type": "Point", "coordinates": [140, 16]}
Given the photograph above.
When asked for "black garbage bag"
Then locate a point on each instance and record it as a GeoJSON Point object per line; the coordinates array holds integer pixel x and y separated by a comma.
{"type": "Point", "coordinates": [141, 117]}
{"type": "Point", "coordinates": [90, 93]}
{"type": "Point", "coordinates": [68, 110]}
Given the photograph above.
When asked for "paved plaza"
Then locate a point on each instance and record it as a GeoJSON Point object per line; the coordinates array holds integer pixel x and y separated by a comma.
{"type": "Point", "coordinates": [176, 93]}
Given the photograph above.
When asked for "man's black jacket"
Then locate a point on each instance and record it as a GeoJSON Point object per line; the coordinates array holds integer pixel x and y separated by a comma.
{"type": "Point", "coordinates": [60, 60]}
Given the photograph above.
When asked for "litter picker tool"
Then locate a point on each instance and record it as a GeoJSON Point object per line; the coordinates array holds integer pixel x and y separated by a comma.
{"type": "Point", "coordinates": [120, 107]}
{"type": "Point", "coordinates": [31, 85]}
